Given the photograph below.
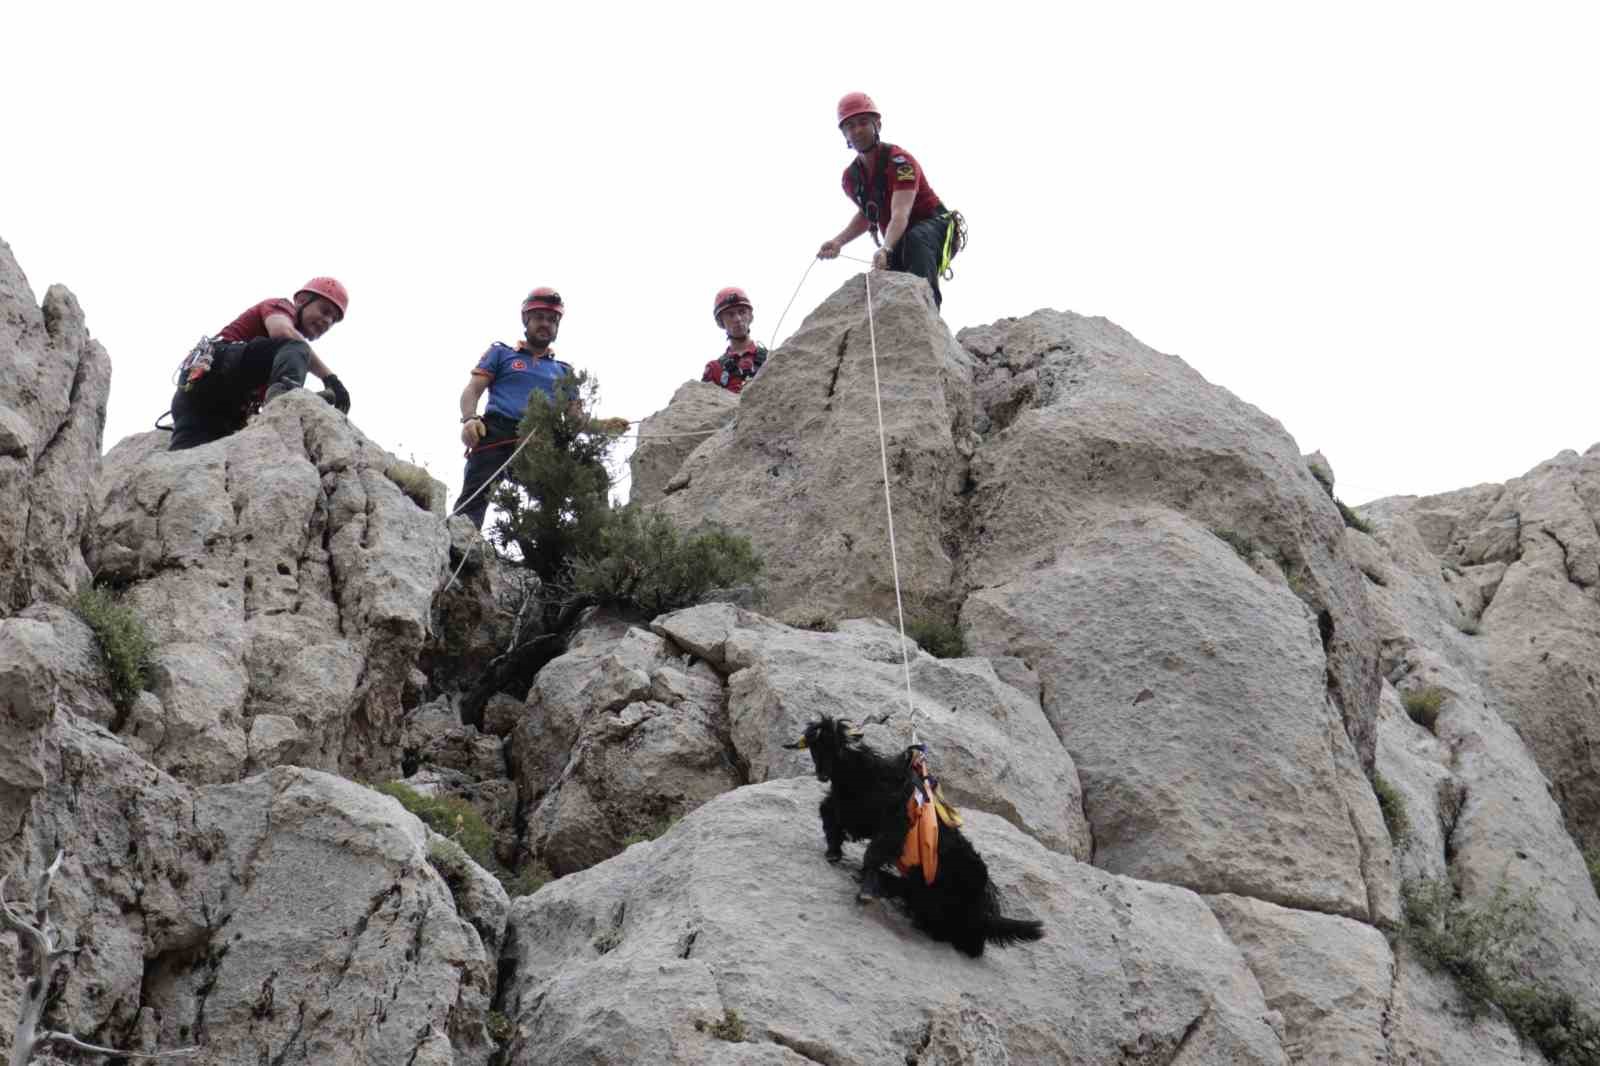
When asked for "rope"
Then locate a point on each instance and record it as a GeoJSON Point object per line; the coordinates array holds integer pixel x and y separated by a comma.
{"type": "Point", "coordinates": [773, 342]}
{"type": "Point", "coordinates": [888, 507]}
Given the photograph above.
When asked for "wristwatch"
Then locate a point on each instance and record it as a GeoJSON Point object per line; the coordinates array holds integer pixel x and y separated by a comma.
{"type": "Point", "coordinates": [471, 418]}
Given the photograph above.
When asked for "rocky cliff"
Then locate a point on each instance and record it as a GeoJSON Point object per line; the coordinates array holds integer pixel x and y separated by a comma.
{"type": "Point", "coordinates": [1187, 684]}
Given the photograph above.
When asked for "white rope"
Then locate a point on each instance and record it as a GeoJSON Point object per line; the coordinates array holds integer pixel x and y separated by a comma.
{"type": "Point", "coordinates": [773, 342]}
{"type": "Point", "coordinates": [888, 507]}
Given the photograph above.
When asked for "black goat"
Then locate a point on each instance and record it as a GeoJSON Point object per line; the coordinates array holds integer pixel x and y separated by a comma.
{"type": "Point", "coordinates": [868, 800]}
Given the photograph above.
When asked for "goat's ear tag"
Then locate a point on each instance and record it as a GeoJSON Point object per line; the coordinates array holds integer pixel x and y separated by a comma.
{"type": "Point", "coordinates": [799, 745]}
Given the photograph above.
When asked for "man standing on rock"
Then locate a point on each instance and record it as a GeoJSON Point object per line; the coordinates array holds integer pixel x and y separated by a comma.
{"type": "Point", "coordinates": [257, 357]}
{"type": "Point", "coordinates": [893, 199]}
{"type": "Point", "coordinates": [744, 358]}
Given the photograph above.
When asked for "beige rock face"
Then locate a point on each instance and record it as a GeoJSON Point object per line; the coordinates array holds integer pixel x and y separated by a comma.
{"type": "Point", "coordinates": [797, 470]}
{"type": "Point", "coordinates": [697, 410]}
{"type": "Point", "coordinates": [735, 910]}
{"type": "Point", "coordinates": [281, 574]}
{"type": "Point", "coordinates": [1480, 809]}
{"type": "Point", "coordinates": [991, 744]}
{"type": "Point", "coordinates": [1191, 693]}
{"type": "Point", "coordinates": [1329, 977]}
{"type": "Point", "coordinates": [54, 381]}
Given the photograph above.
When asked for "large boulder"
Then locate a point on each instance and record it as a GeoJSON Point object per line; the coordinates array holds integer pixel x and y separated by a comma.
{"type": "Point", "coordinates": [733, 928]}
{"type": "Point", "coordinates": [798, 469]}
{"type": "Point", "coordinates": [54, 382]}
{"type": "Point", "coordinates": [1081, 423]}
{"type": "Point", "coordinates": [697, 410]}
{"type": "Point", "coordinates": [283, 575]}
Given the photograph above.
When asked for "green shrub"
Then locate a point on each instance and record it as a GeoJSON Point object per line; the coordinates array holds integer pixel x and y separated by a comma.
{"type": "Point", "coordinates": [607, 942]}
{"type": "Point", "coordinates": [125, 646]}
{"type": "Point", "coordinates": [1393, 806]}
{"type": "Point", "coordinates": [449, 816]}
{"type": "Point", "coordinates": [810, 617]}
{"type": "Point", "coordinates": [557, 499]}
{"type": "Point", "coordinates": [1423, 705]}
{"type": "Point", "coordinates": [417, 484]}
{"type": "Point", "coordinates": [1479, 947]}
{"type": "Point", "coordinates": [641, 560]}
{"type": "Point", "coordinates": [447, 857]}
{"type": "Point", "coordinates": [1241, 544]}
{"type": "Point", "coordinates": [530, 879]}
{"type": "Point", "coordinates": [1351, 519]}
{"type": "Point", "coordinates": [940, 639]}
{"type": "Point", "coordinates": [499, 1027]}
{"type": "Point", "coordinates": [661, 825]}
{"type": "Point", "coordinates": [730, 1028]}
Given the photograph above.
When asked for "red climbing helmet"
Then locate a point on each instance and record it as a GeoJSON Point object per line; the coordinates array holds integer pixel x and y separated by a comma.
{"type": "Point", "coordinates": [329, 289]}
{"type": "Point", "coordinates": [544, 298]}
{"type": "Point", "coordinates": [853, 104]}
{"type": "Point", "coordinates": [732, 296]}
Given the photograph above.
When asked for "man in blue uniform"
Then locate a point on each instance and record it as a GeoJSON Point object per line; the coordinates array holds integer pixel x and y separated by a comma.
{"type": "Point", "coordinates": [510, 376]}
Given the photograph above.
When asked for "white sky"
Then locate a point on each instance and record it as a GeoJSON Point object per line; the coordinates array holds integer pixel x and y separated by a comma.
{"type": "Point", "coordinates": [1378, 222]}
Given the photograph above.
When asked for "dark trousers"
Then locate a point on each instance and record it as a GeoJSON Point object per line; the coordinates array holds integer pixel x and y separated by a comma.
{"type": "Point", "coordinates": [920, 249]}
{"type": "Point", "coordinates": [496, 446]}
{"type": "Point", "coordinates": [219, 403]}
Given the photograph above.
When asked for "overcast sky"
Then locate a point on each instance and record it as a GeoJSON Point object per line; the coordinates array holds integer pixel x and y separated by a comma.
{"type": "Point", "coordinates": [1377, 222]}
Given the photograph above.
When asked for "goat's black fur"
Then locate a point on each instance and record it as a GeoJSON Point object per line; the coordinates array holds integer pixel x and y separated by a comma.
{"type": "Point", "coordinates": [867, 800]}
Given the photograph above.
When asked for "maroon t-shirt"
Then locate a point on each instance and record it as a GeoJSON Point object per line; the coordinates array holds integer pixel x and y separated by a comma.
{"type": "Point", "coordinates": [253, 323]}
{"type": "Point", "coordinates": [903, 172]}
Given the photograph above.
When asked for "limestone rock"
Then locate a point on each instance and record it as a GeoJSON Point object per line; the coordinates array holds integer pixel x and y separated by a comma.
{"type": "Point", "coordinates": [281, 573]}
{"type": "Point", "coordinates": [697, 410]}
{"type": "Point", "coordinates": [1080, 421]}
{"type": "Point", "coordinates": [797, 471]}
{"type": "Point", "coordinates": [1191, 692]}
{"type": "Point", "coordinates": [1329, 977]}
{"type": "Point", "coordinates": [735, 910]}
{"type": "Point", "coordinates": [54, 382]}
{"type": "Point", "coordinates": [328, 935]}
{"type": "Point", "coordinates": [992, 746]}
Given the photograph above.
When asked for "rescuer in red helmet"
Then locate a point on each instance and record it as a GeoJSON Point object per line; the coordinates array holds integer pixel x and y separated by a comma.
{"type": "Point", "coordinates": [744, 358]}
{"type": "Point", "coordinates": [260, 355]}
{"type": "Point", "coordinates": [914, 231]}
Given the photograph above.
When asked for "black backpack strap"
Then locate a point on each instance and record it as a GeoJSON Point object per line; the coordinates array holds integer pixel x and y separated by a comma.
{"type": "Point", "coordinates": [872, 195]}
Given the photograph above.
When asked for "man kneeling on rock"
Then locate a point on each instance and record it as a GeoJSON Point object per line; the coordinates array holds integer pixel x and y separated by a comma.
{"type": "Point", "coordinates": [257, 357]}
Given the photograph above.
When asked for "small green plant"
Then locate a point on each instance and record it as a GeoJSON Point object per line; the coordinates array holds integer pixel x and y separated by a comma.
{"type": "Point", "coordinates": [499, 1027]}
{"type": "Point", "coordinates": [449, 816]}
{"type": "Point", "coordinates": [816, 619]}
{"type": "Point", "coordinates": [528, 880]}
{"type": "Point", "coordinates": [607, 942]}
{"type": "Point", "coordinates": [447, 857]}
{"type": "Point", "coordinates": [125, 646]}
{"type": "Point", "coordinates": [644, 562]}
{"type": "Point", "coordinates": [940, 639]}
{"type": "Point", "coordinates": [1393, 807]}
{"type": "Point", "coordinates": [1478, 946]}
{"type": "Point", "coordinates": [661, 825]}
{"type": "Point", "coordinates": [1423, 705]}
{"type": "Point", "coordinates": [730, 1028]}
{"type": "Point", "coordinates": [1241, 544]}
{"type": "Point", "coordinates": [1351, 519]}
{"type": "Point", "coordinates": [417, 484]}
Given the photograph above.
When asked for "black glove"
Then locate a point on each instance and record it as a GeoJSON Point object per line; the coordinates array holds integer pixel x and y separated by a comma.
{"type": "Point", "coordinates": [341, 395]}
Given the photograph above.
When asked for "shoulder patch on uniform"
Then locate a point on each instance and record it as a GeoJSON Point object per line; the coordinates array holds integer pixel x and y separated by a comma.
{"type": "Point", "coordinates": [906, 172]}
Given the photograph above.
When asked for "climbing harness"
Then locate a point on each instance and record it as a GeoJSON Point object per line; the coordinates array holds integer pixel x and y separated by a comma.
{"type": "Point", "coordinates": [196, 364]}
{"type": "Point", "coordinates": [955, 239]}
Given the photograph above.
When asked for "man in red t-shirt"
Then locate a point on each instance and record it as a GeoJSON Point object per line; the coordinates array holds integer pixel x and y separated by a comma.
{"type": "Point", "coordinates": [893, 199]}
{"type": "Point", "coordinates": [744, 358]}
{"type": "Point", "coordinates": [257, 357]}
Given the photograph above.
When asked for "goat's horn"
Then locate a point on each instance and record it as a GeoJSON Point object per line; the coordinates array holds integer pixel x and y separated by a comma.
{"type": "Point", "coordinates": [799, 745]}
{"type": "Point", "coordinates": [852, 732]}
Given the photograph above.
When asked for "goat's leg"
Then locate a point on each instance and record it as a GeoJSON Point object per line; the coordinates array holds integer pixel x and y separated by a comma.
{"type": "Point", "coordinates": [883, 848]}
{"type": "Point", "coordinates": [831, 829]}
